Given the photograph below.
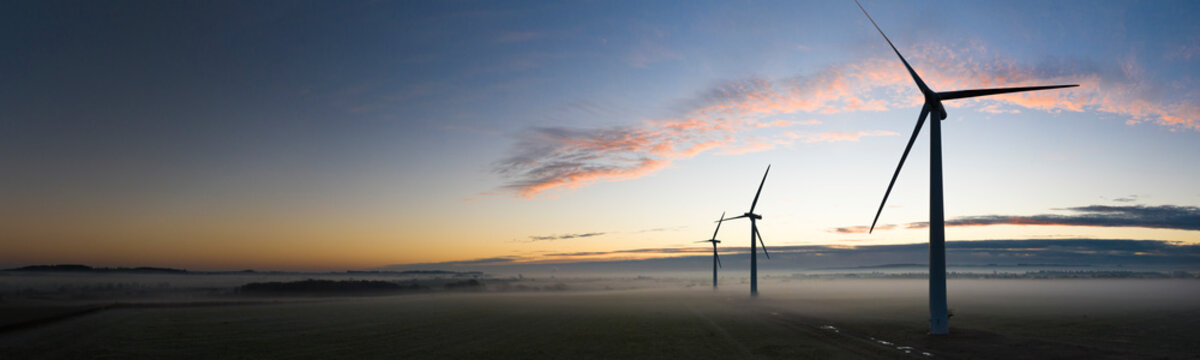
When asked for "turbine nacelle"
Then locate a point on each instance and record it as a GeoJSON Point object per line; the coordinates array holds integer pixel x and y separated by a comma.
{"type": "Point", "coordinates": [933, 107]}
{"type": "Point", "coordinates": [933, 100]}
{"type": "Point", "coordinates": [753, 216]}
{"type": "Point", "coordinates": [938, 112]}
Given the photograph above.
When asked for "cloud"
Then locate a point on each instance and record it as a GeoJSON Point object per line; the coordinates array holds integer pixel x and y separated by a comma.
{"type": "Point", "coordinates": [1130, 198]}
{"type": "Point", "coordinates": [492, 261]}
{"type": "Point", "coordinates": [991, 253]}
{"type": "Point", "coordinates": [563, 237]}
{"type": "Point", "coordinates": [1154, 217]}
{"type": "Point", "coordinates": [860, 229]}
{"type": "Point", "coordinates": [635, 251]}
{"type": "Point", "coordinates": [548, 158]}
{"type": "Point", "coordinates": [502, 260]}
{"type": "Point", "coordinates": [1076, 252]}
{"type": "Point", "coordinates": [722, 116]}
{"type": "Point", "coordinates": [533, 238]}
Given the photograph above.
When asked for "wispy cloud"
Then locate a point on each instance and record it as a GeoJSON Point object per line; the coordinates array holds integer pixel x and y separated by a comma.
{"type": "Point", "coordinates": [563, 237]}
{"type": "Point", "coordinates": [860, 229]}
{"type": "Point", "coordinates": [502, 260]}
{"type": "Point", "coordinates": [646, 251]}
{"type": "Point", "coordinates": [1130, 198]}
{"type": "Point", "coordinates": [1058, 251]}
{"type": "Point", "coordinates": [533, 238]}
{"type": "Point", "coordinates": [983, 252]}
{"type": "Point", "coordinates": [1154, 217]}
{"type": "Point", "coordinates": [720, 117]}
{"type": "Point", "coordinates": [567, 158]}
{"type": "Point", "coordinates": [483, 261]}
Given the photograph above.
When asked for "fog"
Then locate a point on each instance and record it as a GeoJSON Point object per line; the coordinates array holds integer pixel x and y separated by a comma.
{"type": "Point", "coordinates": [651, 315]}
{"type": "Point", "coordinates": [1034, 295]}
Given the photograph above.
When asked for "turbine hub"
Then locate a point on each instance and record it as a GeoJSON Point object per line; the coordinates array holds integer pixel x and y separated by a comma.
{"type": "Point", "coordinates": [939, 111]}
{"type": "Point", "coordinates": [753, 216]}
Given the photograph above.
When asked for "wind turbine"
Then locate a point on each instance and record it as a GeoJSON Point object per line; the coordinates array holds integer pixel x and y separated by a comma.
{"type": "Point", "coordinates": [753, 235]}
{"type": "Point", "coordinates": [714, 241]}
{"type": "Point", "coordinates": [938, 314]}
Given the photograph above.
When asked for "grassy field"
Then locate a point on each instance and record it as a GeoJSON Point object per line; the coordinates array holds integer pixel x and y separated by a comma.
{"type": "Point", "coordinates": [1084, 319]}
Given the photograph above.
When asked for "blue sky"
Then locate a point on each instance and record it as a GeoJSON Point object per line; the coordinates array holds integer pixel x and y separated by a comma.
{"type": "Point", "coordinates": [315, 135]}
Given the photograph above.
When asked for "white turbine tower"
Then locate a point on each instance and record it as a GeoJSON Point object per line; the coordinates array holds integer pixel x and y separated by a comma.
{"type": "Point", "coordinates": [753, 235]}
{"type": "Point", "coordinates": [938, 314]}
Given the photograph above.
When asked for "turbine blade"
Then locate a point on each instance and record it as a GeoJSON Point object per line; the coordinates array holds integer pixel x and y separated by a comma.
{"type": "Point", "coordinates": [916, 78]}
{"type": "Point", "coordinates": [760, 185]}
{"type": "Point", "coordinates": [735, 217]}
{"type": "Point", "coordinates": [718, 258]}
{"type": "Point", "coordinates": [760, 242]}
{"type": "Point", "coordinates": [951, 95]}
{"type": "Point", "coordinates": [911, 140]}
{"type": "Point", "coordinates": [718, 225]}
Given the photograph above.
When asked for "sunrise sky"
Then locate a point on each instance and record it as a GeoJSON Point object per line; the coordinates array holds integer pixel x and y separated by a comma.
{"type": "Point", "coordinates": [334, 135]}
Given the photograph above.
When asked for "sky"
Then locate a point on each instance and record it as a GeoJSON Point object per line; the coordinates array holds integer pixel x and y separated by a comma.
{"type": "Point", "coordinates": [332, 135]}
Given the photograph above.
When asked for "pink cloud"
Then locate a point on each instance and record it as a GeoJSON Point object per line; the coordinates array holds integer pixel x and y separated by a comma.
{"type": "Point", "coordinates": [721, 117]}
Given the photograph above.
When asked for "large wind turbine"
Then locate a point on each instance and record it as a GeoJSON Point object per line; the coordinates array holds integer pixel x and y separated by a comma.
{"type": "Point", "coordinates": [714, 241]}
{"type": "Point", "coordinates": [938, 315]}
{"type": "Point", "coordinates": [755, 235]}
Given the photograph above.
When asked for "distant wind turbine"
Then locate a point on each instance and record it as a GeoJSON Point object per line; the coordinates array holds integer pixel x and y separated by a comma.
{"type": "Point", "coordinates": [714, 241]}
{"type": "Point", "coordinates": [938, 314]}
{"type": "Point", "coordinates": [753, 235]}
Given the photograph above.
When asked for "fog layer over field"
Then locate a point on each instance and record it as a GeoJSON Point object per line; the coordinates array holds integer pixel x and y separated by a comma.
{"type": "Point", "coordinates": [652, 317]}
{"type": "Point", "coordinates": [663, 308]}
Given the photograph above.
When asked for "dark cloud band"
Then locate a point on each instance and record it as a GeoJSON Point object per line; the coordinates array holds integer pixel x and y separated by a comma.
{"type": "Point", "coordinates": [1153, 217]}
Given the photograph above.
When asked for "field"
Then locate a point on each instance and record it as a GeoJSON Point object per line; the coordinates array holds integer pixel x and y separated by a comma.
{"type": "Point", "coordinates": [806, 319]}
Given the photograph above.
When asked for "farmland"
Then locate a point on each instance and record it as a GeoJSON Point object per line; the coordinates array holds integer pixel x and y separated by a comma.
{"type": "Point", "coordinates": [843, 318]}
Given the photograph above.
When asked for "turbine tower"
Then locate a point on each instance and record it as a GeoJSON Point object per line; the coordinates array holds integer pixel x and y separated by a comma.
{"type": "Point", "coordinates": [938, 314]}
{"type": "Point", "coordinates": [714, 241]}
{"type": "Point", "coordinates": [753, 235]}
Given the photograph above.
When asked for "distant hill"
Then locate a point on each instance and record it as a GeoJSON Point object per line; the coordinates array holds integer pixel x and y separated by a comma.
{"type": "Point", "coordinates": [85, 268]}
{"type": "Point", "coordinates": [158, 270]}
